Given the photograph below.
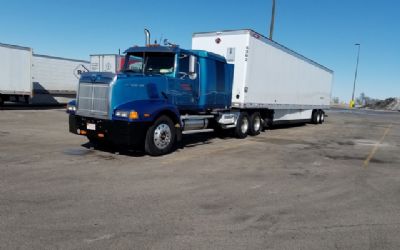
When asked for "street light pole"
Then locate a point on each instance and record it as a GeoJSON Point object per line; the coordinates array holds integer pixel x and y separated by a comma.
{"type": "Point", "coordinates": [355, 76]}
{"type": "Point", "coordinates": [271, 27]}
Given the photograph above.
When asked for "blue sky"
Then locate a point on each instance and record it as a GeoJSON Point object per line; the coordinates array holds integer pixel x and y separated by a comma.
{"type": "Point", "coordinates": [323, 30]}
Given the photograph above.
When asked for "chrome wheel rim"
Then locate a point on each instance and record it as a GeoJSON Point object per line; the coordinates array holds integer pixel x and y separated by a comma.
{"type": "Point", "coordinates": [322, 117]}
{"type": "Point", "coordinates": [245, 125]}
{"type": "Point", "coordinates": [318, 118]}
{"type": "Point", "coordinates": [257, 123]}
{"type": "Point", "coordinates": [162, 136]}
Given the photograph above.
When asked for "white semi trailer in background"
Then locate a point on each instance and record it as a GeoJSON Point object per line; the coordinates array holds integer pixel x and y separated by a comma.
{"type": "Point", "coordinates": [15, 72]}
{"type": "Point", "coordinates": [55, 79]}
{"type": "Point", "coordinates": [106, 63]}
{"type": "Point", "coordinates": [37, 79]}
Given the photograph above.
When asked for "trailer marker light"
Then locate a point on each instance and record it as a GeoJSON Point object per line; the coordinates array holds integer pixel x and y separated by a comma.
{"type": "Point", "coordinates": [146, 115]}
{"type": "Point", "coordinates": [133, 115]}
{"type": "Point", "coordinates": [100, 135]}
{"type": "Point", "coordinates": [83, 132]}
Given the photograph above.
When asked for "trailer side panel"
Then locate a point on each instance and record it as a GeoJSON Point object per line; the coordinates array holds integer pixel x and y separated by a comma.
{"type": "Point", "coordinates": [15, 70]}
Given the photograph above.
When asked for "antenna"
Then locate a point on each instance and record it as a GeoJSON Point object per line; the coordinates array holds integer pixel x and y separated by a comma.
{"type": "Point", "coordinates": [271, 27]}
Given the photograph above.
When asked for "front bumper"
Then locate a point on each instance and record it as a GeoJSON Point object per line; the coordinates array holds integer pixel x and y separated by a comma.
{"type": "Point", "coordinates": [117, 132]}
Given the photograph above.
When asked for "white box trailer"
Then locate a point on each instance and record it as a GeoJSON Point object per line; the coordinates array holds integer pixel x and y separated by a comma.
{"type": "Point", "coordinates": [37, 79]}
{"type": "Point", "coordinates": [106, 63]}
{"type": "Point", "coordinates": [15, 72]}
{"type": "Point", "coordinates": [269, 75]}
{"type": "Point", "coordinates": [55, 79]}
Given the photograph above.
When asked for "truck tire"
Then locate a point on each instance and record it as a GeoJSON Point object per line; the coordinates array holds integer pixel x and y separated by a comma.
{"type": "Point", "coordinates": [318, 117]}
{"type": "Point", "coordinates": [160, 137]}
{"type": "Point", "coordinates": [322, 118]}
{"type": "Point", "coordinates": [242, 125]}
{"type": "Point", "coordinates": [255, 124]}
{"type": "Point", "coordinates": [314, 117]}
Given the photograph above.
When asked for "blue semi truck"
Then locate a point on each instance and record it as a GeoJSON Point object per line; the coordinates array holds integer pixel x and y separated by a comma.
{"type": "Point", "coordinates": [166, 91]}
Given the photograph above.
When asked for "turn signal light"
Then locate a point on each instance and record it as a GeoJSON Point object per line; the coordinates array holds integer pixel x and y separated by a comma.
{"type": "Point", "coordinates": [133, 115]}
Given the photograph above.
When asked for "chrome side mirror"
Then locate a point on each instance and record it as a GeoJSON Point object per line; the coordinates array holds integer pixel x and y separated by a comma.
{"type": "Point", "coordinates": [192, 67]}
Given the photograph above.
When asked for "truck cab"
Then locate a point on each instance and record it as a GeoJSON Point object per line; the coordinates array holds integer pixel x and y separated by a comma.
{"type": "Point", "coordinates": [161, 91]}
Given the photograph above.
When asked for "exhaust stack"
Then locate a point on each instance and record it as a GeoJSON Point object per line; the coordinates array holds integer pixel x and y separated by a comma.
{"type": "Point", "coordinates": [147, 34]}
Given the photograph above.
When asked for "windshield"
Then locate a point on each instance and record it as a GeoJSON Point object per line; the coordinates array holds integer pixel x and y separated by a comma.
{"type": "Point", "coordinates": [150, 63]}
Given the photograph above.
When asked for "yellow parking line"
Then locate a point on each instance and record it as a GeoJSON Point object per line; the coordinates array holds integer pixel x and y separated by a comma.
{"type": "Point", "coordinates": [376, 146]}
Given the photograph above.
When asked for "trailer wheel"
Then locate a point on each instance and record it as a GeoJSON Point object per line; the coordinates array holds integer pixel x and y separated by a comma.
{"type": "Point", "coordinates": [160, 137]}
{"type": "Point", "coordinates": [242, 126]}
{"type": "Point", "coordinates": [322, 118]}
{"type": "Point", "coordinates": [314, 117]}
{"type": "Point", "coordinates": [318, 117]}
{"type": "Point", "coordinates": [255, 124]}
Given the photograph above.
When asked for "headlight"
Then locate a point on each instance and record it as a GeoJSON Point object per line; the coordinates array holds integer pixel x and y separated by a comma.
{"type": "Point", "coordinates": [127, 114]}
{"type": "Point", "coordinates": [120, 113]}
{"type": "Point", "coordinates": [71, 108]}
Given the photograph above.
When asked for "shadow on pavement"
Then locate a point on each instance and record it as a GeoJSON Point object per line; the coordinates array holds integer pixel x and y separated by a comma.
{"type": "Point", "coordinates": [22, 106]}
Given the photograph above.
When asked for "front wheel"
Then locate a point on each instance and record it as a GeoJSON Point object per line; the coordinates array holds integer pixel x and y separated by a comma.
{"type": "Point", "coordinates": [160, 137]}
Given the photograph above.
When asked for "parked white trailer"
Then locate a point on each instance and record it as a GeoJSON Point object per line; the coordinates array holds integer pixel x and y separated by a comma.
{"type": "Point", "coordinates": [106, 63]}
{"type": "Point", "coordinates": [270, 76]}
{"type": "Point", "coordinates": [15, 72]}
{"type": "Point", "coordinates": [55, 79]}
{"type": "Point", "coordinates": [37, 79]}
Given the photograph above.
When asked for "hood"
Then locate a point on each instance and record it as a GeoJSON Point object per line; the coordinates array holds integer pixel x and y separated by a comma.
{"type": "Point", "coordinates": [129, 88]}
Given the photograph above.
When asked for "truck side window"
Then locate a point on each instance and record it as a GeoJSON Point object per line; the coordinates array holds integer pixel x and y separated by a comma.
{"type": "Point", "coordinates": [220, 71]}
{"type": "Point", "coordinates": [135, 64]}
{"type": "Point", "coordinates": [184, 63]}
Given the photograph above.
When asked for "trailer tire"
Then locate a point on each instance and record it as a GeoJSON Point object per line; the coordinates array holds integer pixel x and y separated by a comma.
{"type": "Point", "coordinates": [314, 117]}
{"type": "Point", "coordinates": [322, 117]}
{"type": "Point", "coordinates": [242, 125]}
{"type": "Point", "coordinates": [160, 137]}
{"type": "Point", "coordinates": [256, 124]}
{"type": "Point", "coordinates": [318, 117]}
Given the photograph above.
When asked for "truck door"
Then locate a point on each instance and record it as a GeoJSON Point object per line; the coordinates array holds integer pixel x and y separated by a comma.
{"type": "Point", "coordinates": [187, 81]}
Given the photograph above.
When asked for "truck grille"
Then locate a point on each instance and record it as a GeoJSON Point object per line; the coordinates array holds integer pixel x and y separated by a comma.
{"type": "Point", "coordinates": [93, 100]}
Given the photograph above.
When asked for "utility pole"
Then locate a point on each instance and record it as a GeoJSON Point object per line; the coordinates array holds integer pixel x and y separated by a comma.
{"type": "Point", "coordinates": [352, 102]}
{"type": "Point", "coordinates": [271, 27]}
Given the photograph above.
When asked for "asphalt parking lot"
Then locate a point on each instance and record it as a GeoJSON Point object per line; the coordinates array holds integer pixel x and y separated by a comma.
{"type": "Point", "coordinates": [330, 186]}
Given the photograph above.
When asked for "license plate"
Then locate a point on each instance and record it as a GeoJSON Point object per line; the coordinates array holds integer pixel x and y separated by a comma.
{"type": "Point", "coordinates": [90, 126]}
